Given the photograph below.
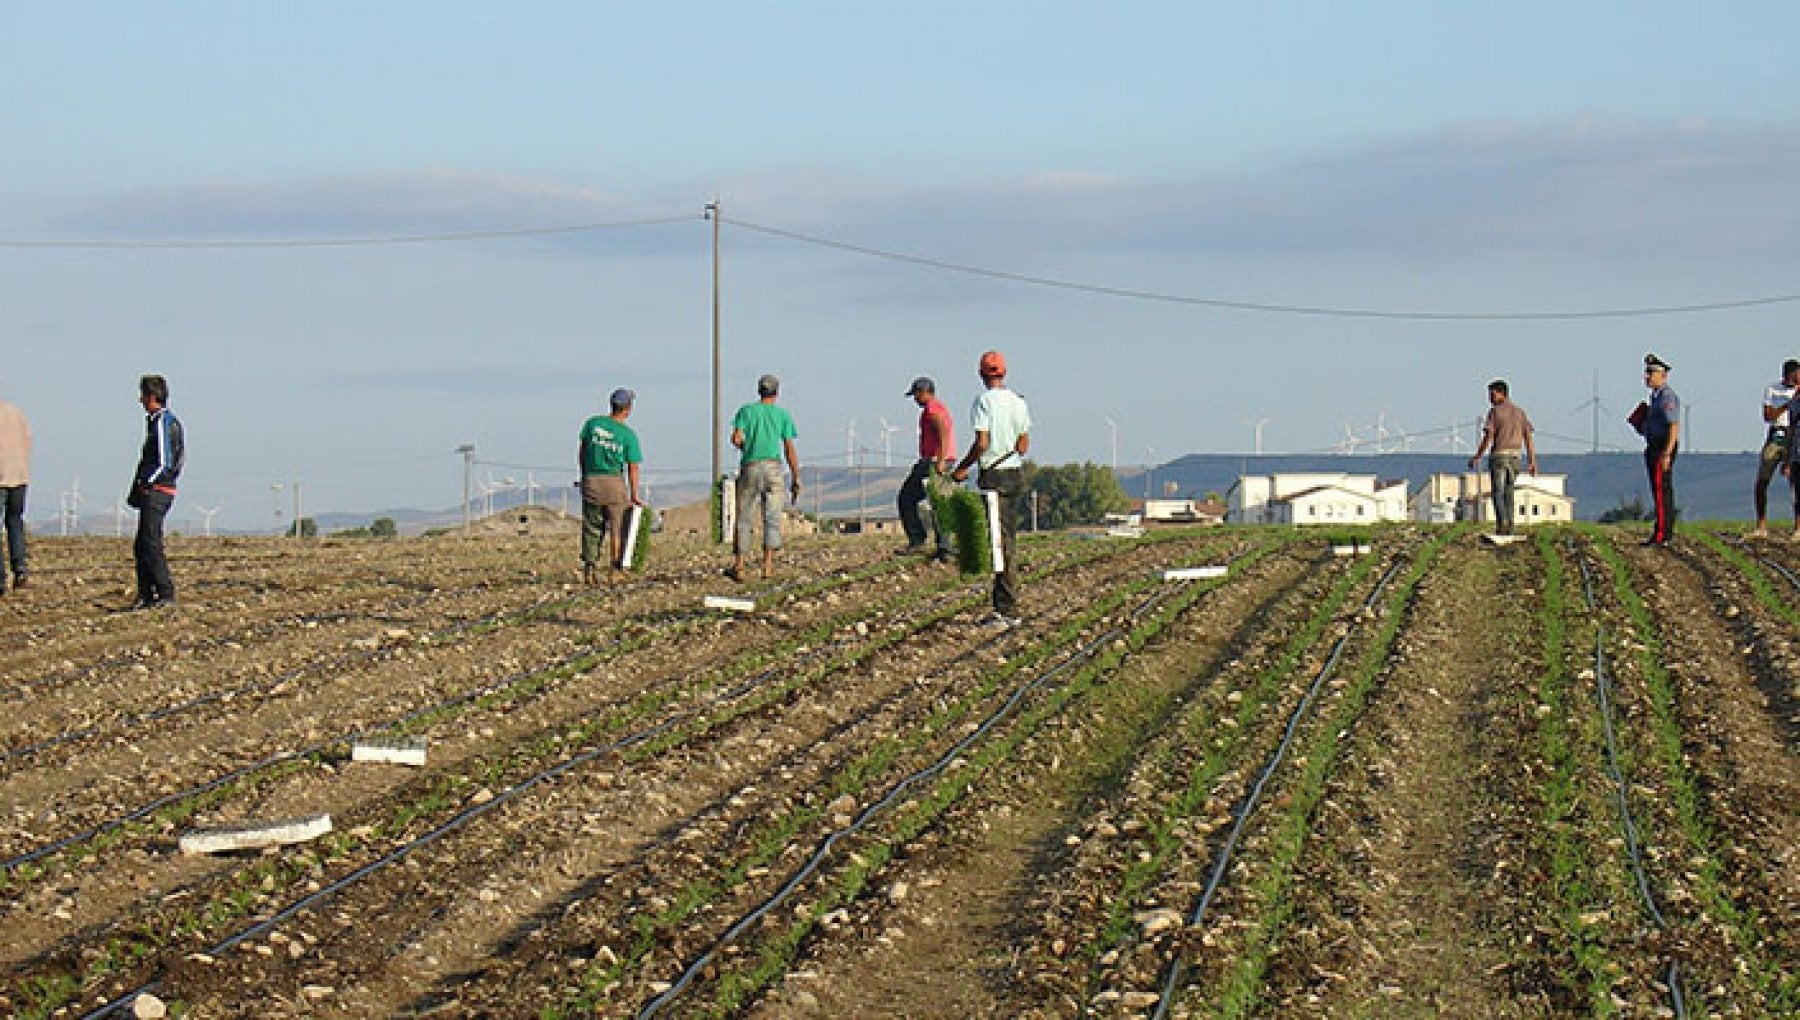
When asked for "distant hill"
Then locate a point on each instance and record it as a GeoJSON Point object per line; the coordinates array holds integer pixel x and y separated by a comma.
{"type": "Point", "coordinates": [1708, 486]}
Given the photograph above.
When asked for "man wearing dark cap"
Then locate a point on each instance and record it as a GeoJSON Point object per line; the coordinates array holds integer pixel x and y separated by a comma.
{"type": "Point", "coordinates": [765, 433]}
{"type": "Point", "coordinates": [1775, 442]}
{"type": "Point", "coordinates": [937, 452]}
{"type": "Point", "coordinates": [609, 456]}
{"type": "Point", "coordinates": [1658, 420]}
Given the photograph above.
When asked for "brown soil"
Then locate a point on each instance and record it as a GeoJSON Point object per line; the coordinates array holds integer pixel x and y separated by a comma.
{"type": "Point", "coordinates": [1423, 886]}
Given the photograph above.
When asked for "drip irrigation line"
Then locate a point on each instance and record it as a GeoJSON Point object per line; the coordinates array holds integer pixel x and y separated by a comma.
{"type": "Point", "coordinates": [1247, 805]}
{"type": "Point", "coordinates": [1777, 566]}
{"type": "Point", "coordinates": [895, 795]}
{"type": "Point", "coordinates": [314, 749]}
{"type": "Point", "coordinates": [460, 820]}
{"type": "Point", "coordinates": [1621, 794]}
{"type": "Point", "coordinates": [1603, 695]}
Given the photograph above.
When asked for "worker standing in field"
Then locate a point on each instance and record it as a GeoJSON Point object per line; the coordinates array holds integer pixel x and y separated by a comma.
{"type": "Point", "coordinates": [1775, 403]}
{"type": "Point", "coordinates": [153, 492]}
{"type": "Point", "coordinates": [609, 456]}
{"type": "Point", "coordinates": [764, 433]}
{"type": "Point", "coordinates": [15, 477]}
{"type": "Point", "coordinates": [1507, 432]}
{"type": "Point", "coordinates": [1658, 420]}
{"type": "Point", "coordinates": [937, 452]}
{"type": "Point", "coordinates": [1002, 424]}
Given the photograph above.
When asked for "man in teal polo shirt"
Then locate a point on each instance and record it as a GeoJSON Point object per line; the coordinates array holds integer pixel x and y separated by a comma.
{"type": "Point", "coordinates": [609, 458]}
{"type": "Point", "coordinates": [765, 433]}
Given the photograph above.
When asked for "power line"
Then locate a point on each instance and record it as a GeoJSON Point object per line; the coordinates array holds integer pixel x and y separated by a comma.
{"type": "Point", "coordinates": [1129, 293]}
{"type": "Point", "coordinates": [338, 242]}
{"type": "Point", "coordinates": [1255, 306]}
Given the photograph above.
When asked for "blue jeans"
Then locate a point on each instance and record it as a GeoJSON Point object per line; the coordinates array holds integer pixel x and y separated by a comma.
{"type": "Point", "coordinates": [1503, 470]}
{"type": "Point", "coordinates": [916, 515]}
{"type": "Point", "coordinates": [14, 498]}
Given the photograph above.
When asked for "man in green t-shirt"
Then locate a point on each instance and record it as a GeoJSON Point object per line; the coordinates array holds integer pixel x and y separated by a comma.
{"type": "Point", "coordinates": [765, 433]}
{"type": "Point", "coordinates": [609, 458]}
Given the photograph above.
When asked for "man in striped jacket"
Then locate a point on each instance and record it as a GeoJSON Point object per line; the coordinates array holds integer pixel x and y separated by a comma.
{"type": "Point", "coordinates": [153, 492]}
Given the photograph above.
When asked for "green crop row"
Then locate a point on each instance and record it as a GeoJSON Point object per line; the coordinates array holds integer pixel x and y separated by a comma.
{"type": "Point", "coordinates": [774, 953]}
{"type": "Point", "coordinates": [1779, 988]}
{"type": "Point", "coordinates": [1271, 891]}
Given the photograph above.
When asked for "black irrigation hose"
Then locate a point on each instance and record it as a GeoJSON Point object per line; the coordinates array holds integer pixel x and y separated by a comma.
{"type": "Point", "coordinates": [233, 776]}
{"type": "Point", "coordinates": [501, 684]}
{"type": "Point", "coordinates": [270, 625]}
{"type": "Point", "coordinates": [1241, 814]}
{"type": "Point", "coordinates": [1603, 693]}
{"type": "Point", "coordinates": [894, 795]}
{"type": "Point", "coordinates": [457, 822]}
{"type": "Point", "coordinates": [1777, 566]}
{"type": "Point", "coordinates": [454, 824]}
{"type": "Point", "coordinates": [257, 686]}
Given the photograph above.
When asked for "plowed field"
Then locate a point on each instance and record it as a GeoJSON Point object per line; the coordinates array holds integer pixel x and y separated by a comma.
{"type": "Point", "coordinates": [1555, 779]}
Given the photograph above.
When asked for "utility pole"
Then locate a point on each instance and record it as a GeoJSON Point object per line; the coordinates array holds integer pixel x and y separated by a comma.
{"type": "Point", "coordinates": [714, 213]}
{"type": "Point", "coordinates": [1596, 402]}
{"type": "Point", "coordinates": [297, 531]}
{"type": "Point", "coordinates": [468, 454]}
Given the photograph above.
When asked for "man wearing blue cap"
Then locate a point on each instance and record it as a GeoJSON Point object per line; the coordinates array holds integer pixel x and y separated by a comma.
{"type": "Point", "coordinates": [609, 458]}
{"type": "Point", "coordinates": [937, 454]}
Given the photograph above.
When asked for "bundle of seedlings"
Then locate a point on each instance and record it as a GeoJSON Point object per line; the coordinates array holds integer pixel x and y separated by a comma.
{"type": "Point", "coordinates": [962, 512]}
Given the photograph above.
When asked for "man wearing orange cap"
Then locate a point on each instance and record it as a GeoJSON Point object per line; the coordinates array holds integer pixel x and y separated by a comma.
{"type": "Point", "coordinates": [1002, 424]}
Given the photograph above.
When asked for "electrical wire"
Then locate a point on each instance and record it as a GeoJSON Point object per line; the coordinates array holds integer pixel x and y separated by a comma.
{"type": "Point", "coordinates": [1274, 308]}
{"type": "Point", "coordinates": [1257, 306]}
{"type": "Point", "coordinates": [338, 242]}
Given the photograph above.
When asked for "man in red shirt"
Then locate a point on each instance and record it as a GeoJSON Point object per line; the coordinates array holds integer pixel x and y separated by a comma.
{"type": "Point", "coordinates": [937, 451]}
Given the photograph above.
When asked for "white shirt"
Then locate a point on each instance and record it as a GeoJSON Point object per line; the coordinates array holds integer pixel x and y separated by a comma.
{"type": "Point", "coordinates": [1777, 396]}
{"type": "Point", "coordinates": [1002, 414]}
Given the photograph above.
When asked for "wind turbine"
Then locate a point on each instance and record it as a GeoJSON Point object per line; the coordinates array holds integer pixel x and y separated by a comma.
{"type": "Point", "coordinates": [71, 506]}
{"type": "Point", "coordinates": [1257, 424]}
{"type": "Point", "coordinates": [850, 444]}
{"type": "Point", "coordinates": [206, 516]}
{"type": "Point", "coordinates": [1347, 446]}
{"type": "Point", "coordinates": [1113, 429]}
{"type": "Point", "coordinates": [1594, 403]}
{"type": "Point", "coordinates": [887, 442]}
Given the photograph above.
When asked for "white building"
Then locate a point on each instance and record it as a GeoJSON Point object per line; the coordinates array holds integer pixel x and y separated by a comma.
{"type": "Point", "coordinates": [1467, 496]}
{"type": "Point", "coordinates": [1316, 498]}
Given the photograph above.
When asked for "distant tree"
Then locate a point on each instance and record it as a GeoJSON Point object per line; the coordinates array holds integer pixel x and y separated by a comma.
{"type": "Point", "coordinates": [383, 527]}
{"type": "Point", "coordinates": [1071, 494]}
{"type": "Point", "coordinates": [1627, 510]}
{"type": "Point", "coordinates": [309, 528]}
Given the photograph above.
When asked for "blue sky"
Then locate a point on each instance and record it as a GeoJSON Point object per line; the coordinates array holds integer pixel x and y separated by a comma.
{"type": "Point", "coordinates": [1412, 157]}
